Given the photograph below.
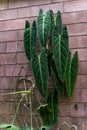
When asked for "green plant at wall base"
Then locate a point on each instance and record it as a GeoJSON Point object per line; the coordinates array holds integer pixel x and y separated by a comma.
{"type": "Point", "coordinates": [53, 59]}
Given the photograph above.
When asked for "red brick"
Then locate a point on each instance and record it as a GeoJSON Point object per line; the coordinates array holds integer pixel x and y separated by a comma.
{"type": "Point", "coordinates": [11, 47]}
{"type": "Point", "coordinates": [75, 6]}
{"type": "Point", "coordinates": [77, 112]}
{"type": "Point", "coordinates": [77, 29]}
{"type": "Point", "coordinates": [2, 71]}
{"type": "Point", "coordinates": [20, 34]}
{"type": "Point", "coordinates": [81, 81]}
{"type": "Point", "coordinates": [82, 53]}
{"type": "Point", "coordinates": [18, 3]}
{"type": "Point", "coordinates": [21, 58]}
{"type": "Point", "coordinates": [28, 12]}
{"type": "Point", "coordinates": [77, 97]}
{"type": "Point", "coordinates": [7, 108]}
{"type": "Point", "coordinates": [3, 4]}
{"type": "Point", "coordinates": [23, 12]}
{"type": "Point", "coordinates": [84, 95]}
{"type": "Point", "coordinates": [5, 83]}
{"type": "Point", "coordinates": [69, 18]}
{"type": "Point", "coordinates": [73, 42]}
{"type": "Point", "coordinates": [54, 7]}
{"type": "Point", "coordinates": [71, 121]}
{"type": "Point", "coordinates": [53, 1]}
{"type": "Point", "coordinates": [82, 16]}
{"type": "Point", "coordinates": [83, 67]}
{"type": "Point", "coordinates": [2, 47]}
{"type": "Point", "coordinates": [20, 46]}
{"type": "Point", "coordinates": [13, 70]}
{"type": "Point", "coordinates": [7, 59]}
{"type": "Point", "coordinates": [8, 36]}
{"type": "Point", "coordinates": [82, 41]}
{"type": "Point", "coordinates": [2, 25]}
{"type": "Point", "coordinates": [4, 118]}
{"type": "Point", "coordinates": [39, 2]}
{"type": "Point", "coordinates": [8, 14]}
{"type": "Point", "coordinates": [12, 24]}
{"type": "Point", "coordinates": [64, 110]}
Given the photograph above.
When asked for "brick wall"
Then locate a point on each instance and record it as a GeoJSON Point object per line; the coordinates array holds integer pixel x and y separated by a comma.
{"type": "Point", "coordinates": [13, 14]}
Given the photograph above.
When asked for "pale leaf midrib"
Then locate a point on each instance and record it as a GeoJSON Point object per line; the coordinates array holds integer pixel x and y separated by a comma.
{"type": "Point", "coordinates": [70, 75]}
{"type": "Point", "coordinates": [39, 60]}
{"type": "Point", "coordinates": [43, 30]}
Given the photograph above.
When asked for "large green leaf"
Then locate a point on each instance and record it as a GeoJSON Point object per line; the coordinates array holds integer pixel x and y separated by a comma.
{"type": "Point", "coordinates": [43, 27]}
{"type": "Point", "coordinates": [45, 113]}
{"type": "Point", "coordinates": [5, 125]}
{"type": "Point", "coordinates": [52, 21]}
{"type": "Point", "coordinates": [57, 82]}
{"type": "Point", "coordinates": [9, 126]}
{"type": "Point", "coordinates": [27, 24]}
{"type": "Point", "coordinates": [59, 22]}
{"type": "Point", "coordinates": [55, 108]}
{"type": "Point", "coordinates": [53, 104]}
{"type": "Point", "coordinates": [71, 73]}
{"type": "Point", "coordinates": [40, 71]}
{"type": "Point", "coordinates": [60, 49]}
{"type": "Point", "coordinates": [30, 35]}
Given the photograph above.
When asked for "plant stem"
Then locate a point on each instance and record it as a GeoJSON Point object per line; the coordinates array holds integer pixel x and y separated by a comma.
{"type": "Point", "coordinates": [30, 102]}
{"type": "Point", "coordinates": [17, 109]}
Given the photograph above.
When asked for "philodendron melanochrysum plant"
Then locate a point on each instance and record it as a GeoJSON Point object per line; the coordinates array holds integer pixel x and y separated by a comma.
{"type": "Point", "coordinates": [53, 59]}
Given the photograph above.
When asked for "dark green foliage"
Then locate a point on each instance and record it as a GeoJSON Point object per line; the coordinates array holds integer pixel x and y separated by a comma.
{"type": "Point", "coordinates": [53, 104]}
{"type": "Point", "coordinates": [30, 35]}
{"type": "Point", "coordinates": [59, 22]}
{"type": "Point", "coordinates": [56, 61]}
{"type": "Point", "coordinates": [43, 23]}
{"type": "Point", "coordinates": [49, 112]}
{"type": "Point", "coordinates": [52, 24]}
{"type": "Point", "coordinates": [40, 71]}
{"type": "Point", "coordinates": [45, 113]}
{"type": "Point", "coordinates": [57, 82]}
{"type": "Point", "coordinates": [60, 49]}
{"type": "Point", "coordinates": [27, 24]}
{"type": "Point", "coordinates": [71, 73]}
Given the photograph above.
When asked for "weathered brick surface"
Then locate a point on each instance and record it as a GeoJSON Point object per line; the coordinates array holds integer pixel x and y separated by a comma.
{"type": "Point", "coordinates": [39, 2]}
{"type": "Point", "coordinates": [7, 59]}
{"type": "Point", "coordinates": [82, 41]}
{"type": "Point", "coordinates": [84, 95]}
{"type": "Point", "coordinates": [79, 122]}
{"type": "Point", "coordinates": [83, 68]}
{"type": "Point", "coordinates": [82, 16]}
{"type": "Point", "coordinates": [77, 29]}
{"type": "Point", "coordinates": [55, 7]}
{"type": "Point", "coordinates": [72, 18]}
{"type": "Point", "coordinates": [76, 5]}
{"type": "Point", "coordinates": [21, 58]}
{"type": "Point", "coordinates": [64, 110]}
{"type": "Point", "coordinates": [8, 14]}
{"type": "Point", "coordinates": [8, 36]}
{"type": "Point", "coordinates": [2, 47]}
{"type": "Point", "coordinates": [28, 12]}
{"type": "Point", "coordinates": [77, 97]}
{"type": "Point", "coordinates": [81, 81]}
{"type": "Point", "coordinates": [12, 58]}
{"type": "Point", "coordinates": [18, 3]}
{"type": "Point", "coordinates": [77, 110]}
